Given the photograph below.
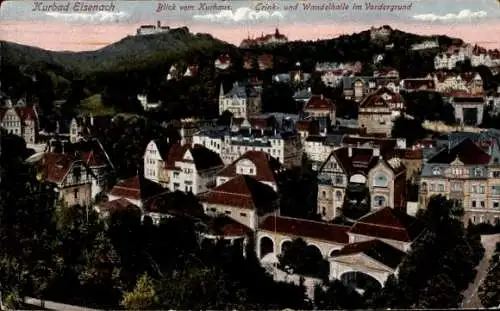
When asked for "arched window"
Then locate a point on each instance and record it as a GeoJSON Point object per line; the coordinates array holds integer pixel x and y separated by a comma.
{"type": "Point", "coordinates": [338, 195]}
{"type": "Point", "coordinates": [379, 201]}
{"type": "Point", "coordinates": [380, 180]}
{"type": "Point", "coordinates": [424, 186]}
{"type": "Point", "coordinates": [266, 246]}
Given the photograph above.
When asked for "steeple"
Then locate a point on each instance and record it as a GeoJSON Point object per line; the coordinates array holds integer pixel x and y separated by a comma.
{"type": "Point", "coordinates": [221, 90]}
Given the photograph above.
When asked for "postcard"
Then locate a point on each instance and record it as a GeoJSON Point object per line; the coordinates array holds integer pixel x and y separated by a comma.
{"type": "Point", "coordinates": [249, 154]}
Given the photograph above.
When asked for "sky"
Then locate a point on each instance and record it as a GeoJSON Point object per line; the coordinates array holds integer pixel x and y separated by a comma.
{"type": "Point", "coordinates": [37, 23]}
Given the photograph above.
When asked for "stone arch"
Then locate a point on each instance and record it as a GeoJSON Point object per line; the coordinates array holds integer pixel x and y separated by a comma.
{"type": "Point", "coordinates": [266, 246]}
{"type": "Point", "coordinates": [285, 244]}
{"type": "Point", "coordinates": [333, 252]}
{"type": "Point", "coordinates": [360, 280]}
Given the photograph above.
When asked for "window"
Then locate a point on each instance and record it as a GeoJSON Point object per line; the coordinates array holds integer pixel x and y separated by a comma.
{"type": "Point", "coordinates": [495, 189]}
{"type": "Point", "coordinates": [473, 204]}
{"type": "Point", "coordinates": [75, 192]}
{"type": "Point", "coordinates": [441, 187]}
{"type": "Point", "coordinates": [379, 201]}
{"type": "Point", "coordinates": [456, 187]}
{"type": "Point", "coordinates": [481, 189]}
{"type": "Point", "coordinates": [339, 179]}
{"type": "Point", "coordinates": [176, 174]}
{"type": "Point", "coordinates": [496, 174]}
{"type": "Point", "coordinates": [228, 212]}
{"type": "Point", "coordinates": [496, 204]}
{"type": "Point", "coordinates": [473, 219]}
{"type": "Point", "coordinates": [338, 195]}
{"type": "Point", "coordinates": [497, 220]}
{"type": "Point", "coordinates": [482, 203]}
{"type": "Point", "coordinates": [436, 171]}
{"type": "Point", "coordinates": [431, 187]}
{"type": "Point", "coordinates": [380, 180]}
{"type": "Point", "coordinates": [424, 186]}
{"type": "Point", "coordinates": [323, 193]}
{"type": "Point", "coordinates": [473, 189]}
{"type": "Point", "coordinates": [243, 215]}
{"type": "Point", "coordinates": [213, 209]}
{"type": "Point", "coordinates": [478, 172]}
{"type": "Point", "coordinates": [251, 171]}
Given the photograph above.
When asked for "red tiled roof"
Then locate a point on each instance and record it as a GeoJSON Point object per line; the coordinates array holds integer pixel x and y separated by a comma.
{"type": "Point", "coordinates": [55, 166]}
{"type": "Point", "coordinates": [203, 158]}
{"type": "Point", "coordinates": [376, 99]}
{"type": "Point", "coordinates": [245, 192]}
{"type": "Point", "coordinates": [226, 226]}
{"type": "Point", "coordinates": [387, 223]}
{"type": "Point", "coordinates": [312, 126]}
{"type": "Point", "coordinates": [466, 151]}
{"type": "Point", "coordinates": [376, 249]}
{"type": "Point", "coordinates": [92, 159]}
{"type": "Point", "coordinates": [306, 228]}
{"type": "Point", "coordinates": [419, 84]}
{"type": "Point", "coordinates": [136, 188]}
{"type": "Point", "coordinates": [319, 102]}
{"type": "Point", "coordinates": [265, 165]}
{"type": "Point", "coordinates": [120, 204]}
{"type": "Point", "coordinates": [224, 59]}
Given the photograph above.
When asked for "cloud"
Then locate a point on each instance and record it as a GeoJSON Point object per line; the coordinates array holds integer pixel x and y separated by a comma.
{"type": "Point", "coordinates": [89, 17]}
{"type": "Point", "coordinates": [463, 14]}
{"type": "Point", "coordinates": [240, 15]}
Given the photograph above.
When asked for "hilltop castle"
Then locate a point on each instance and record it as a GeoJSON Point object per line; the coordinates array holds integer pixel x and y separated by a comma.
{"type": "Point", "coordinates": [152, 29]}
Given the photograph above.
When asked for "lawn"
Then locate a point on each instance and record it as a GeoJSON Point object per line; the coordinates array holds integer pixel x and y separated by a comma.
{"type": "Point", "coordinates": [93, 105]}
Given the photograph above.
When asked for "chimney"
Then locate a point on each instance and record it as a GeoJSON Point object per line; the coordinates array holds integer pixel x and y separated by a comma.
{"type": "Point", "coordinates": [91, 120]}
{"type": "Point", "coordinates": [349, 152]}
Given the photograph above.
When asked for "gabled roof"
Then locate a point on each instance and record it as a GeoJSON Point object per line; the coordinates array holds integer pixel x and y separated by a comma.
{"type": "Point", "coordinates": [266, 166]}
{"type": "Point", "coordinates": [387, 223]}
{"type": "Point", "coordinates": [319, 102]}
{"type": "Point", "coordinates": [378, 250]}
{"type": "Point", "coordinates": [55, 166]}
{"type": "Point", "coordinates": [225, 226]}
{"type": "Point", "coordinates": [137, 188]}
{"type": "Point", "coordinates": [376, 99]}
{"type": "Point", "coordinates": [203, 158]}
{"type": "Point", "coordinates": [466, 151]}
{"type": "Point", "coordinates": [117, 205]}
{"type": "Point", "coordinates": [244, 192]}
{"type": "Point", "coordinates": [361, 161]}
{"type": "Point", "coordinates": [306, 228]}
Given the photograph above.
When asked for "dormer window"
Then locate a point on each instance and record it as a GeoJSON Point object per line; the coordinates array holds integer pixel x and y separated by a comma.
{"type": "Point", "coordinates": [478, 172]}
{"type": "Point", "coordinates": [436, 171]}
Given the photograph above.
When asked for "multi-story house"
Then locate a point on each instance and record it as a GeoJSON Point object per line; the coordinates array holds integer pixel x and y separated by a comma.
{"type": "Point", "coordinates": [418, 84]}
{"type": "Point", "coordinates": [189, 168]}
{"type": "Point", "coordinates": [260, 165]}
{"type": "Point", "coordinates": [469, 82]}
{"type": "Point", "coordinates": [83, 127]}
{"type": "Point", "coordinates": [377, 111]}
{"type": "Point", "coordinates": [269, 39]}
{"type": "Point", "coordinates": [467, 174]}
{"type": "Point", "coordinates": [19, 120]}
{"type": "Point", "coordinates": [468, 109]}
{"type": "Point", "coordinates": [152, 29]}
{"type": "Point", "coordinates": [425, 45]}
{"type": "Point", "coordinates": [380, 33]}
{"type": "Point", "coordinates": [320, 107]}
{"type": "Point", "coordinates": [243, 101]}
{"type": "Point", "coordinates": [244, 199]}
{"type": "Point", "coordinates": [356, 88]}
{"type": "Point", "coordinates": [94, 156]}
{"type": "Point", "coordinates": [282, 145]}
{"type": "Point", "coordinates": [349, 170]}
{"type": "Point", "coordinates": [74, 180]}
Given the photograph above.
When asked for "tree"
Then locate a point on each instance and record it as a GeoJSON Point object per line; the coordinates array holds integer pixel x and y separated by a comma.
{"type": "Point", "coordinates": [335, 295]}
{"type": "Point", "coordinates": [410, 129]}
{"type": "Point", "coordinates": [100, 278]}
{"type": "Point", "coordinates": [303, 259]}
{"type": "Point", "coordinates": [439, 266]}
{"type": "Point", "coordinates": [143, 297]}
{"type": "Point", "coordinates": [489, 290]}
